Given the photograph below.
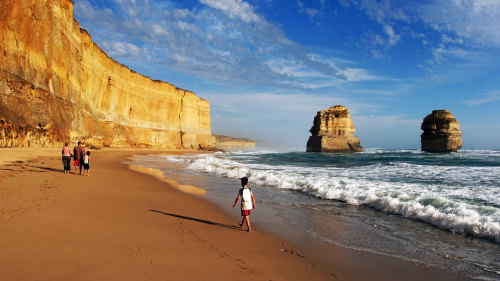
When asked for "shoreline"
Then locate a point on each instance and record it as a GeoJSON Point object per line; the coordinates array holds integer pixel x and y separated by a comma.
{"type": "Point", "coordinates": [346, 262]}
{"type": "Point", "coordinates": [120, 224]}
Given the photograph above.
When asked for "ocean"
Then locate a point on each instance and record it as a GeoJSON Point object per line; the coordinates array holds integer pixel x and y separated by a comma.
{"type": "Point", "coordinates": [440, 210]}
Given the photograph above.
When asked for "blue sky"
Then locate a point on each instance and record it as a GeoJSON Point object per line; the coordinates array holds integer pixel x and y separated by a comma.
{"type": "Point", "coordinates": [267, 66]}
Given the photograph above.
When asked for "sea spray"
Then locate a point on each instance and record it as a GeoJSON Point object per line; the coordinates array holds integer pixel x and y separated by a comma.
{"type": "Point", "coordinates": [459, 192]}
{"type": "Point", "coordinates": [402, 200]}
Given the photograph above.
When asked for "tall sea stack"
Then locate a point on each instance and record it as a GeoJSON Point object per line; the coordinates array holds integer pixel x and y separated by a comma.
{"type": "Point", "coordinates": [441, 132]}
{"type": "Point", "coordinates": [333, 131]}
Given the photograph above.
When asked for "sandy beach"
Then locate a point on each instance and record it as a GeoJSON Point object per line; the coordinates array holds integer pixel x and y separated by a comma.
{"type": "Point", "coordinates": [121, 223]}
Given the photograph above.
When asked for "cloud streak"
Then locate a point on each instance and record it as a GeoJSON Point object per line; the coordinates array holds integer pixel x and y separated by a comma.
{"type": "Point", "coordinates": [218, 39]}
{"type": "Point", "coordinates": [489, 97]}
{"type": "Point", "coordinates": [235, 9]}
{"type": "Point", "coordinates": [476, 21]}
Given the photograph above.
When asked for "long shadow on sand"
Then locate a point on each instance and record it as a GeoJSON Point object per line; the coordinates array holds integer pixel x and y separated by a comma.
{"type": "Point", "coordinates": [197, 220]}
{"type": "Point", "coordinates": [46, 169]}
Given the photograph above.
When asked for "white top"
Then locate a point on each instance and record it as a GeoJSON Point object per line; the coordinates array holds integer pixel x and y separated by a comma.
{"type": "Point", "coordinates": [85, 159]}
{"type": "Point", "coordinates": [246, 199]}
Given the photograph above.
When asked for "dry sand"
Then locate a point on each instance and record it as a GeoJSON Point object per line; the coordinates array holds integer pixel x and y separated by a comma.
{"type": "Point", "coordinates": [123, 224]}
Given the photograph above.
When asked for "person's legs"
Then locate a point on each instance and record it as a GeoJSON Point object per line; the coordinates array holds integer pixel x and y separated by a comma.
{"type": "Point", "coordinates": [68, 164]}
{"type": "Point", "coordinates": [247, 219]}
{"type": "Point", "coordinates": [81, 167]}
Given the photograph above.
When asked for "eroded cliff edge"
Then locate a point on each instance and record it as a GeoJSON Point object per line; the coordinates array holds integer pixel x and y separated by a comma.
{"type": "Point", "coordinates": [57, 85]}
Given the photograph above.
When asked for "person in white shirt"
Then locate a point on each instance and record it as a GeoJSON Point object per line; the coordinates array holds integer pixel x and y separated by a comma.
{"type": "Point", "coordinates": [247, 203]}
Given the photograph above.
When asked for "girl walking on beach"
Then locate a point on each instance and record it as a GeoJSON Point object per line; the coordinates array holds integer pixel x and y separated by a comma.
{"type": "Point", "coordinates": [247, 203]}
{"type": "Point", "coordinates": [86, 164]}
{"type": "Point", "coordinates": [66, 158]}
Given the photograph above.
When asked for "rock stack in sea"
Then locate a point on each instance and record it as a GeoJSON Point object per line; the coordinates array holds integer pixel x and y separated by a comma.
{"type": "Point", "coordinates": [441, 132]}
{"type": "Point", "coordinates": [333, 131]}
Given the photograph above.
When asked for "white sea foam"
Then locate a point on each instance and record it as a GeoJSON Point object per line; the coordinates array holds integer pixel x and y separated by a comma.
{"type": "Point", "coordinates": [459, 199]}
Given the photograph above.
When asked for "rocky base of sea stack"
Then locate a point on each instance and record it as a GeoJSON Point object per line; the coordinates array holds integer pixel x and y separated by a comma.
{"type": "Point", "coordinates": [332, 144]}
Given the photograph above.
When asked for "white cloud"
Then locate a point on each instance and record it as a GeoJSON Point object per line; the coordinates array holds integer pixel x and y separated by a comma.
{"type": "Point", "coordinates": [492, 96]}
{"type": "Point", "coordinates": [179, 58]}
{"type": "Point", "coordinates": [357, 74]}
{"type": "Point", "coordinates": [468, 23]}
{"type": "Point", "coordinates": [475, 20]}
{"type": "Point", "coordinates": [181, 13]}
{"type": "Point", "coordinates": [443, 53]}
{"type": "Point", "coordinates": [125, 1]}
{"type": "Point", "coordinates": [184, 26]}
{"type": "Point", "coordinates": [160, 30]}
{"type": "Point", "coordinates": [446, 39]}
{"type": "Point", "coordinates": [386, 14]}
{"type": "Point", "coordinates": [122, 49]}
{"type": "Point", "coordinates": [312, 12]}
{"type": "Point", "coordinates": [383, 12]}
{"type": "Point", "coordinates": [225, 40]}
{"type": "Point", "coordinates": [351, 74]}
{"type": "Point", "coordinates": [393, 37]}
{"type": "Point", "coordinates": [235, 9]}
{"type": "Point", "coordinates": [300, 4]}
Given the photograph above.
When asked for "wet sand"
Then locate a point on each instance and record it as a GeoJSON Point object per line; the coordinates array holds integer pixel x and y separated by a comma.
{"type": "Point", "coordinates": [124, 223]}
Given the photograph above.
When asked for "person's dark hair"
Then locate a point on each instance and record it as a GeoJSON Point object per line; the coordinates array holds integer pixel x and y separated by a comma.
{"type": "Point", "coordinates": [88, 152]}
{"type": "Point", "coordinates": [66, 144]}
{"type": "Point", "coordinates": [79, 142]}
{"type": "Point", "coordinates": [244, 181]}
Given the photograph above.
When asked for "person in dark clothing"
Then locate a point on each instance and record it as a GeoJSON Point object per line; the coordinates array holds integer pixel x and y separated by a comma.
{"type": "Point", "coordinates": [78, 153]}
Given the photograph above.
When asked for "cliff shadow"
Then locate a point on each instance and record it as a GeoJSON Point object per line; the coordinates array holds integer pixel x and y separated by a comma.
{"type": "Point", "coordinates": [197, 220]}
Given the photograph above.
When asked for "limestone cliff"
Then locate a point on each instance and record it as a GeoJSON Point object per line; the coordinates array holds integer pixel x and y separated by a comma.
{"type": "Point", "coordinates": [333, 131]}
{"type": "Point", "coordinates": [231, 143]}
{"type": "Point", "coordinates": [441, 132]}
{"type": "Point", "coordinates": [57, 85]}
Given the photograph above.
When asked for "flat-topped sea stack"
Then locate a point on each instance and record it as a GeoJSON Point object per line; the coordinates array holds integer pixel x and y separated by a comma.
{"type": "Point", "coordinates": [441, 132]}
{"type": "Point", "coordinates": [231, 143]}
{"type": "Point", "coordinates": [57, 85]}
{"type": "Point", "coordinates": [333, 131]}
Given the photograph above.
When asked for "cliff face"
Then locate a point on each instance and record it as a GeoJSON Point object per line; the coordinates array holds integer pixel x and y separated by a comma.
{"type": "Point", "coordinates": [57, 85]}
{"type": "Point", "coordinates": [230, 143]}
{"type": "Point", "coordinates": [441, 132]}
{"type": "Point", "coordinates": [333, 131]}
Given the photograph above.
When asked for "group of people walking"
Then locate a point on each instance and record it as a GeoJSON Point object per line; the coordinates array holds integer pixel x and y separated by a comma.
{"type": "Point", "coordinates": [81, 159]}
